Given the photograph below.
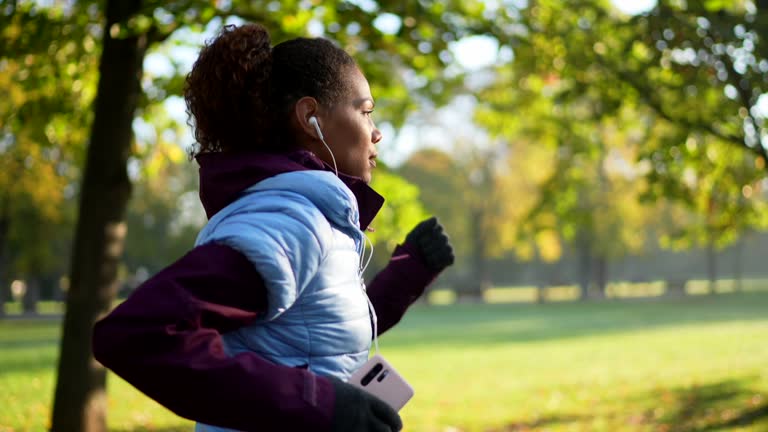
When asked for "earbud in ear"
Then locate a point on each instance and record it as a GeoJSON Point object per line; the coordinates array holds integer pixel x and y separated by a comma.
{"type": "Point", "coordinates": [313, 122]}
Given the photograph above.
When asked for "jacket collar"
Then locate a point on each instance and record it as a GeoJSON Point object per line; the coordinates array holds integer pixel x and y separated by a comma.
{"type": "Point", "coordinates": [223, 176]}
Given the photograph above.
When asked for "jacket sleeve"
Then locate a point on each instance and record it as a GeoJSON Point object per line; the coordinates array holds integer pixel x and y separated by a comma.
{"type": "Point", "coordinates": [398, 285]}
{"type": "Point", "coordinates": [284, 241]}
{"type": "Point", "coordinates": [165, 340]}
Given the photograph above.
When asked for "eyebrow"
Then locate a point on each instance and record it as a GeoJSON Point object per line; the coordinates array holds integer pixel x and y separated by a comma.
{"type": "Point", "coordinates": [360, 101]}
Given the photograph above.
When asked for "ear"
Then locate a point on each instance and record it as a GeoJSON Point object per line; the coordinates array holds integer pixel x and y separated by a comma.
{"type": "Point", "coordinates": [305, 108]}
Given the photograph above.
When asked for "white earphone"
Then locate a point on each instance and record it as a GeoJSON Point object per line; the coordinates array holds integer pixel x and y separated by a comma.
{"type": "Point", "coordinates": [363, 261]}
{"type": "Point", "coordinates": [313, 122]}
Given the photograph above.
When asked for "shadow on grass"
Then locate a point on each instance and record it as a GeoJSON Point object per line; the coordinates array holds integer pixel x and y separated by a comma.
{"type": "Point", "coordinates": [538, 423]}
{"type": "Point", "coordinates": [720, 406]}
{"type": "Point", "coordinates": [29, 343]}
{"type": "Point", "coordinates": [9, 368]}
{"type": "Point", "coordinates": [711, 407]}
{"type": "Point", "coordinates": [28, 355]}
{"type": "Point", "coordinates": [483, 324]}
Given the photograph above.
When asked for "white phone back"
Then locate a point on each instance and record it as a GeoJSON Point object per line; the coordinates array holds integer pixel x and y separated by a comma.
{"type": "Point", "coordinates": [391, 388]}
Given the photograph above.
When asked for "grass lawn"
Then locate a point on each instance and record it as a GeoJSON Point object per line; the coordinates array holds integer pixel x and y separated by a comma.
{"type": "Point", "coordinates": [691, 364]}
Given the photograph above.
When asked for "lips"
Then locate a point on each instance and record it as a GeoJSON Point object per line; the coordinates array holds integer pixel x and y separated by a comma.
{"type": "Point", "coordinates": [372, 162]}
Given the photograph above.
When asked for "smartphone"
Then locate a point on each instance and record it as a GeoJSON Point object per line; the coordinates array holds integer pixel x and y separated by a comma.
{"type": "Point", "coordinates": [380, 379]}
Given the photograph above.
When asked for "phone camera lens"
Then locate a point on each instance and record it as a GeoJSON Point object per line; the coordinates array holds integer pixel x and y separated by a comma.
{"type": "Point", "coordinates": [371, 374]}
{"type": "Point", "coordinates": [382, 376]}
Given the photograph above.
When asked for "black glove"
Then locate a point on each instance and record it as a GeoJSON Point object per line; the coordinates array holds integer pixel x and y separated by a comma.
{"type": "Point", "coordinates": [430, 239]}
{"type": "Point", "coordinates": [358, 411]}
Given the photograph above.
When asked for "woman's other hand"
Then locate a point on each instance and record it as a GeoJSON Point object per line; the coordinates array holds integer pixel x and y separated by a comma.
{"type": "Point", "coordinates": [433, 243]}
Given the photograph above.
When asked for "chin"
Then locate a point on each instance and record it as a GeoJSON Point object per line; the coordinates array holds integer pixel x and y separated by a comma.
{"type": "Point", "coordinates": [365, 173]}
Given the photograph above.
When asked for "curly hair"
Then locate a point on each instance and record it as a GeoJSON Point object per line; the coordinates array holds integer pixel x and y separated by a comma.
{"type": "Point", "coordinates": [241, 91]}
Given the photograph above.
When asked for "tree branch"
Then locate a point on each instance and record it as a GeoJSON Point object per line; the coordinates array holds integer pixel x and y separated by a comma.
{"type": "Point", "coordinates": [647, 95]}
{"type": "Point", "coordinates": [154, 35]}
{"type": "Point", "coordinates": [745, 97]}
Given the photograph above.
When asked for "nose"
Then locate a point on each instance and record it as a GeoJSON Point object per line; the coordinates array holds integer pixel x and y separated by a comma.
{"type": "Point", "coordinates": [376, 136]}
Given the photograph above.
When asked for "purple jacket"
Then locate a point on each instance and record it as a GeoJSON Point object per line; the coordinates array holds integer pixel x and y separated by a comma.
{"type": "Point", "coordinates": [165, 339]}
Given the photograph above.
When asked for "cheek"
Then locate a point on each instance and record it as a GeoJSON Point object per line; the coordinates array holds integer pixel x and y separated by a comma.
{"type": "Point", "coordinates": [353, 139]}
{"type": "Point", "coordinates": [358, 136]}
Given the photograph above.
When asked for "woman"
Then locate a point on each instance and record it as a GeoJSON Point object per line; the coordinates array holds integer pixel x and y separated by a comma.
{"type": "Point", "coordinates": [258, 326]}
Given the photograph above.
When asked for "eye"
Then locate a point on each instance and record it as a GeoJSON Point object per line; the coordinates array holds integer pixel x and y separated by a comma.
{"type": "Point", "coordinates": [368, 113]}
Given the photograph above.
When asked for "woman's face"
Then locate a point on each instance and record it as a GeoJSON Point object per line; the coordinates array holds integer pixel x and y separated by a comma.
{"type": "Point", "coordinates": [349, 129]}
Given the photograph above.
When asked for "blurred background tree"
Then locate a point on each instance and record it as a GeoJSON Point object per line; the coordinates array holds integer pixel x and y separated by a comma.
{"type": "Point", "coordinates": [48, 84]}
{"type": "Point", "coordinates": [671, 96]}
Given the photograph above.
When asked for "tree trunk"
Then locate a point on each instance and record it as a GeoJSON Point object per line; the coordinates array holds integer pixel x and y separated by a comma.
{"type": "Point", "coordinates": [3, 292]}
{"type": "Point", "coordinates": [541, 292]}
{"type": "Point", "coordinates": [3, 289]}
{"type": "Point", "coordinates": [541, 283]}
{"type": "Point", "coordinates": [584, 253]}
{"type": "Point", "coordinates": [737, 265]}
{"type": "Point", "coordinates": [4, 267]}
{"type": "Point", "coordinates": [480, 281]}
{"type": "Point", "coordinates": [31, 296]}
{"type": "Point", "coordinates": [541, 278]}
{"type": "Point", "coordinates": [711, 266]}
{"type": "Point", "coordinates": [601, 276]}
{"type": "Point", "coordinates": [80, 402]}
{"type": "Point", "coordinates": [47, 287]}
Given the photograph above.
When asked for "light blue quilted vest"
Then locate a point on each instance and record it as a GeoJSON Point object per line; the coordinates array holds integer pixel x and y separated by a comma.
{"type": "Point", "coordinates": [301, 232]}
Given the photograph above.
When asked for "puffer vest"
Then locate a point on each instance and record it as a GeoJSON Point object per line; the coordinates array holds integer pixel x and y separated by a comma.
{"type": "Point", "coordinates": [301, 232]}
